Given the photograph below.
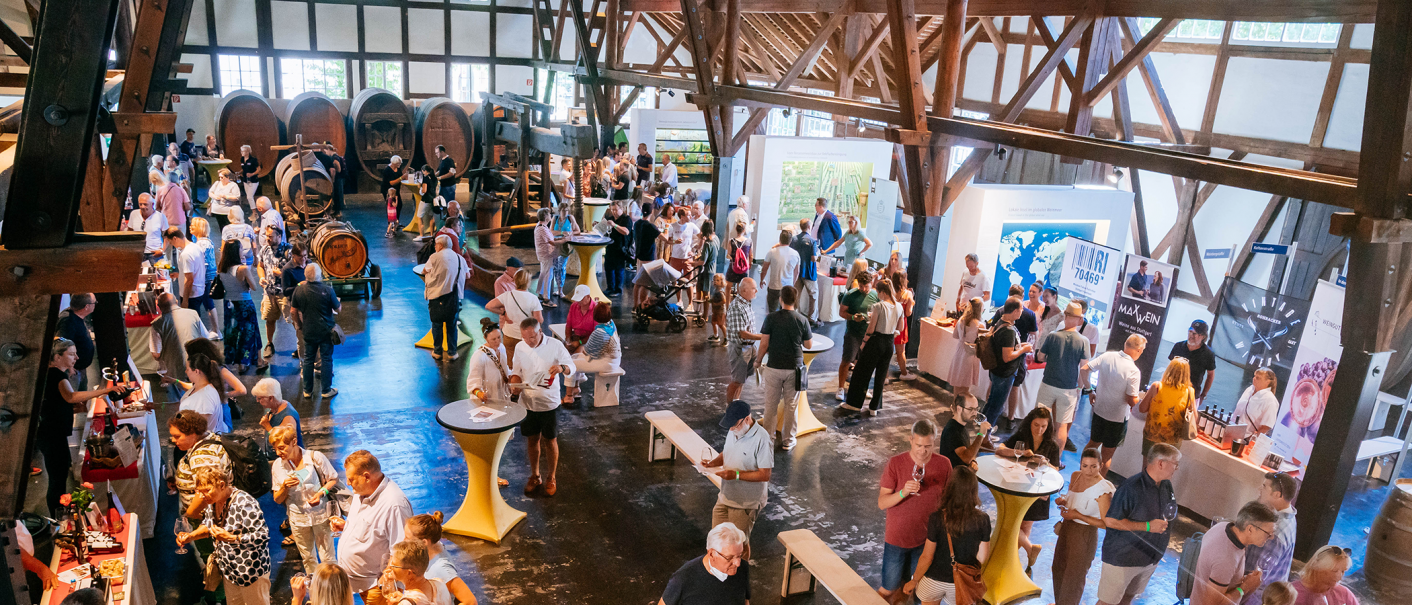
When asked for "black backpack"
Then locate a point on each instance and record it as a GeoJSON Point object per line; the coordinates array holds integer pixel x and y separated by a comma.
{"type": "Point", "coordinates": [424, 253]}
{"type": "Point", "coordinates": [250, 466]}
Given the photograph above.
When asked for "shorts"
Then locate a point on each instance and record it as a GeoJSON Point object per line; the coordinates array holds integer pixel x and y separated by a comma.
{"type": "Point", "coordinates": [1108, 433]}
{"type": "Point", "coordinates": [1063, 402]}
{"type": "Point", "coordinates": [718, 312]}
{"type": "Point", "coordinates": [1115, 583]}
{"type": "Point", "coordinates": [270, 309]}
{"type": "Point", "coordinates": [743, 518]}
{"type": "Point", "coordinates": [935, 590]}
{"type": "Point", "coordinates": [541, 424]}
{"type": "Point", "coordinates": [735, 278]}
{"type": "Point", "coordinates": [1020, 371]}
{"type": "Point", "coordinates": [678, 263]}
{"type": "Point", "coordinates": [202, 302]}
{"type": "Point", "coordinates": [852, 343]}
{"type": "Point", "coordinates": [742, 363]}
{"type": "Point", "coordinates": [899, 564]}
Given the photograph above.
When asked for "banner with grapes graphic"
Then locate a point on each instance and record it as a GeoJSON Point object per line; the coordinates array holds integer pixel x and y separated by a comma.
{"type": "Point", "coordinates": [1311, 376]}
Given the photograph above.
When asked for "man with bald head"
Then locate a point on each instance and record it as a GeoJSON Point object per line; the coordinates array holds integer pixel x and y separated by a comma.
{"type": "Point", "coordinates": [445, 277]}
{"type": "Point", "coordinates": [741, 337]}
{"type": "Point", "coordinates": [170, 332]}
{"type": "Point", "coordinates": [145, 218]}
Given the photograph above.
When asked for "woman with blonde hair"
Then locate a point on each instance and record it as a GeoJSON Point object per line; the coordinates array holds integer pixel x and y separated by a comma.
{"type": "Point", "coordinates": [965, 366]}
{"type": "Point", "coordinates": [1321, 582]}
{"type": "Point", "coordinates": [302, 481]}
{"type": "Point", "coordinates": [1165, 405]}
{"type": "Point", "coordinates": [1258, 405]}
{"type": "Point", "coordinates": [404, 582]}
{"type": "Point", "coordinates": [328, 585]}
{"type": "Point", "coordinates": [427, 529]}
{"type": "Point", "coordinates": [513, 307]}
{"type": "Point", "coordinates": [234, 520]}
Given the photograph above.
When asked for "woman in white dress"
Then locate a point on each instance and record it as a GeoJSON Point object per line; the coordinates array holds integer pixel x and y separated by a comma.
{"type": "Point", "coordinates": [489, 372]}
{"type": "Point", "coordinates": [965, 366]}
{"type": "Point", "coordinates": [1258, 404]}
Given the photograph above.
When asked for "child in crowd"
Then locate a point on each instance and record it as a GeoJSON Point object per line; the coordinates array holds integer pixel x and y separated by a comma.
{"type": "Point", "coordinates": [392, 223]}
{"type": "Point", "coordinates": [427, 530]}
{"type": "Point", "coordinates": [718, 309]}
{"type": "Point", "coordinates": [1278, 593]}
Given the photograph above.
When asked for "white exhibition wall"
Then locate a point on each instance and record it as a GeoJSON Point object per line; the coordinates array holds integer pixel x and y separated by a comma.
{"type": "Point", "coordinates": [765, 163]}
{"type": "Point", "coordinates": [984, 213]}
{"type": "Point", "coordinates": [643, 125]}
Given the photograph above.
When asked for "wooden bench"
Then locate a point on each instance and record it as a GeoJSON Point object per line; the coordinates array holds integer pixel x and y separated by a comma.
{"type": "Point", "coordinates": [809, 562]}
{"type": "Point", "coordinates": [670, 435]}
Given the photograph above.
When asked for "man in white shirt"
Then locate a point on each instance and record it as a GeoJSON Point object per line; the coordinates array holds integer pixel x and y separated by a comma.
{"type": "Point", "coordinates": [669, 172]}
{"type": "Point", "coordinates": [375, 522]}
{"type": "Point", "coordinates": [739, 215]}
{"type": "Point", "coordinates": [698, 215]}
{"type": "Point", "coordinates": [539, 364]}
{"type": "Point", "coordinates": [1119, 389]}
{"type": "Point", "coordinates": [974, 283]}
{"type": "Point", "coordinates": [781, 265]}
{"type": "Point", "coordinates": [146, 218]}
{"type": "Point", "coordinates": [267, 216]}
{"type": "Point", "coordinates": [682, 235]}
{"type": "Point", "coordinates": [191, 264]}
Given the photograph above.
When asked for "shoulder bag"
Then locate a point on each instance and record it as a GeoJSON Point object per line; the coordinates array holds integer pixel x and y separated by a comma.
{"type": "Point", "coordinates": [1188, 430]}
{"type": "Point", "coordinates": [970, 586]}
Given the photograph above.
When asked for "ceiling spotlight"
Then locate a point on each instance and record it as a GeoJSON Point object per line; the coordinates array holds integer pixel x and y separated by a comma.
{"type": "Point", "coordinates": [786, 112]}
{"type": "Point", "coordinates": [1001, 152]}
{"type": "Point", "coordinates": [1116, 175]}
{"type": "Point", "coordinates": [862, 127]}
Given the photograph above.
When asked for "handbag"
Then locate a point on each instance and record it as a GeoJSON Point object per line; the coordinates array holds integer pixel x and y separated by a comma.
{"type": "Point", "coordinates": [218, 289]}
{"type": "Point", "coordinates": [445, 307]}
{"type": "Point", "coordinates": [1188, 430]}
{"type": "Point", "coordinates": [336, 336]}
{"type": "Point", "coordinates": [970, 586]}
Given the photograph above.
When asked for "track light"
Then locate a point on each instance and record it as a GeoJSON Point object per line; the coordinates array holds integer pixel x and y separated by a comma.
{"type": "Point", "coordinates": [1001, 152]}
{"type": "Point", "coordinates": [786, 112]}
{"type": "Point", "coordinates": [1115, 176]}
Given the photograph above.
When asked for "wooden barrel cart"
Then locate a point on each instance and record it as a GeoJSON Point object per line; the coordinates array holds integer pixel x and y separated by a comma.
{"type": "Point", "coordinates": [342, 252]}
{"type": "Point", "coordinates": [305, 193]}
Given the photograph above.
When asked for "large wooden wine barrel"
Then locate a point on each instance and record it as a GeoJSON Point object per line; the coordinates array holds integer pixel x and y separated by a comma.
{"type": "Point", "coordinates": [316, 117]}
{"type": "Point", "coordinates": [382, 128]}
{"type": "Point", "coordinates": [340, 249]}
{"type": "Point", "coordinates": [441, 121]}
{"type": "Point", "coordinates": [245, 118]}
{"type": "Point", "coordinates": [1388, 564]}
{"type": "Point", "coordinates": [318, 187]}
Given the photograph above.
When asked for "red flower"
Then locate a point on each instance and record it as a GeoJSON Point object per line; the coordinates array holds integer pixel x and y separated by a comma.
{"type": "Point", "coordinates": [65, 499]}
{"type": "Point", "coordinates": [87, 485]}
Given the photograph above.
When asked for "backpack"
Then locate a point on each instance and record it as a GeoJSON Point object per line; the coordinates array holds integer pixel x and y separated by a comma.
{"type": "Point", "coordinates": [740, 264]}
{"type": "Point", "coordinates": [424, 253]}
{"type": "Point", "coordinates": [985, 347]}
{"type": "Point", "coordinates": [250, 466]}
{"type": "Point", "coordinates": [1186, 569]}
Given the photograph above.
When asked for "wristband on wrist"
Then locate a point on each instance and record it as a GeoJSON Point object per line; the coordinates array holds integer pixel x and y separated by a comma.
{"type": "Point", "coordinates": [737, 475]}
{"type": "Point", "coordinates": [1240, 590]}
{"type": "Point", "coordinates": [1149, 526]}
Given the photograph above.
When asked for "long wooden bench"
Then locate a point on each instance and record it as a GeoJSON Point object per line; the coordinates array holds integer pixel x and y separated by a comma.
{"type": "Point", "coordinates": [808, 562]}
{"type": "Point", "coordinates": [670, 435]}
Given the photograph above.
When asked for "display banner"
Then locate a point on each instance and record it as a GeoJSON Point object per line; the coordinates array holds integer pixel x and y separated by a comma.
{"type": "Point", "coordinates": [1090, 271]}
{"type": "Point", "coordinates": [1140, 307]}
{"type": "Point", "coordinates": [1315, 363]}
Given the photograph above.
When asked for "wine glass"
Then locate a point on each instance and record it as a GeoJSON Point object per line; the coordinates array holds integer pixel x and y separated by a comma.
{"type": "Point", "coordinates": [1020, 447]}
{"type": "Point", "coordinates": [707, 454]}
{"type": "Point", "coordinates": [182, 526]}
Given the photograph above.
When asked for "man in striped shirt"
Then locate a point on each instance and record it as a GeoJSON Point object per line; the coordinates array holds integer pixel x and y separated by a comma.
{"type": "Point", "coordinates": [741, 337]}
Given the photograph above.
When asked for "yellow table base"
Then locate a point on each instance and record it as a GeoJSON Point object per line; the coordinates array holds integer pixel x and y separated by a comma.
{"type": "Point", "coordinates": [804, 420]}
{"type": "Point", "coordinates": [483, 514]}
{"type": "Point", "coordinates": [1004, 572]}
{"type": "Point", "coordinates": [462, 340]}
{"type": "Point", "coordinates": [213, 168]}
{"type": "Point", "coordinates": [588, 257]}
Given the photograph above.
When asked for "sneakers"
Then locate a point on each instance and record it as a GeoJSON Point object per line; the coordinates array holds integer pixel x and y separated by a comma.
{"type": "Point", "coordinates": [550, 488]}
{"type": "Point", "coordinates": [870, 412]}
{"type": "Point", "coordinates": [329, 394]}
{"type": "Point", "coordinates": [436, 353]}
{"type": "Point", "coordinates": [789, 445]}
{"type": "Point", "coordinates": [907, 376]}
{"type": "Point", "coordinates": [841, 395]}
{"type": "Point", "coordinates": [420, 238]}
{"type": "Point", "coordinates": [308, 395]}
{"type": "Point", "coordinates": [452, 356]}
{"type": "Point", "coordinates": [1069, 446]}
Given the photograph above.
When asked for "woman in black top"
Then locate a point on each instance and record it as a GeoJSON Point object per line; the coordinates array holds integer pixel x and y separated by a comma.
{"type": "Point", "coordinates": [1036, 432]}
{"type": "Point", "coordinates": [619, 253]}
{"type": "Point", "coordinates": [959, 522]}
{"type": "Point", "coordinates": [391, 178]}
{"type": "Point", "coordinates": [56, 417]}
{"type": "Point", "coordinates": [249, 173]}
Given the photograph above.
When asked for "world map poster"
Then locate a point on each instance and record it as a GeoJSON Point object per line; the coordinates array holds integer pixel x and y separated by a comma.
{"type": "Point", "coordinates": [843, 184]}
{"type": "Point", "coordinates": [1033, 252]}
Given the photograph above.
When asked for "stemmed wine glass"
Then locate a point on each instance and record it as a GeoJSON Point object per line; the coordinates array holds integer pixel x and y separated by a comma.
{"type": "Point", "coordinates": [707, 454]}
{"type": "Point", "coordinates": [1020, 447]}
{"type": "Point", "coordinates": [917, 473]}
{"type": "Point", "coordinates": [182, 526]}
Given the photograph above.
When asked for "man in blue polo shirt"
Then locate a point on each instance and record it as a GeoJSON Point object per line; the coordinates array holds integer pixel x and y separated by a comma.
{"type": "Point", "coordinates": [1137, 531]}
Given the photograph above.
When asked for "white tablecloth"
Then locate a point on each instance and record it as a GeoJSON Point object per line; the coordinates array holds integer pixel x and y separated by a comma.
{"type": "Point", "coordinates": [937, 350]}
{"type": "Point", "coordinates": [139, 495]}
{"type": "Point", "coordinates": [139, 345]}
{"type": "Point", "coordinates": [1210, 482]}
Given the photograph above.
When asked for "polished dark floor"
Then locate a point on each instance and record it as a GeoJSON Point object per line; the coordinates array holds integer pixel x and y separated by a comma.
{"type": "Point", "coordinates": [619, 526]}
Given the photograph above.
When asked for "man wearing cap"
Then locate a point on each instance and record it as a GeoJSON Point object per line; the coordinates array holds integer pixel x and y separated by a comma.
{"type": "Point", "coordinates": [1199, 356]}
{"type": "Point", "coordinates": [745, 462]}
{"type": "Point", "coordinates": [506, 281]}
{"type": "Point", "coordinates": [1062, 353]}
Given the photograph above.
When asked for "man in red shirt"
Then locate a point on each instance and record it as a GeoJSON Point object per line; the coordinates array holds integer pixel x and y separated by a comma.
{"type": "Point", "coordinates": [910, 492]}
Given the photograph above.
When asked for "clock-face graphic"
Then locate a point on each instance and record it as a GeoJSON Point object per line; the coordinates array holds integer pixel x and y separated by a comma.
{"type": "Point", "coordinates": [1266, 329]}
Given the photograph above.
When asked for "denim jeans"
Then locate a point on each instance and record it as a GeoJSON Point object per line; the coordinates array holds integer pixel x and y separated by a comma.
{"type": "Point", "coordinates": [561, 264]}
{"type": "Point", "coordinates": [999, 393]}
{"type": "Point", "coordinates": [322, 349]}
{"type": "Point", "coordinates": [899, 564]}
{"type": "Point", "coordinates": [616, 278]}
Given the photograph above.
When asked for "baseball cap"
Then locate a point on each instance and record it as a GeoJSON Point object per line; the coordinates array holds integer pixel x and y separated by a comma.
{"type": "Point", "coordinates": [515, 262]}
{"type": "Point", "coordinates": [1199, 326]}
{"type": "Point", "coordinates": [1074, 310]}
{"type": "Point", "coordinates": [734, 412]}
{"type": "Point", "coordinates": [580, 291]}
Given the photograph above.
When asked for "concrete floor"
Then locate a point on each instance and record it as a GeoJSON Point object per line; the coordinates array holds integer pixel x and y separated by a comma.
{"type": "Point", "coordinates": [619, 526]}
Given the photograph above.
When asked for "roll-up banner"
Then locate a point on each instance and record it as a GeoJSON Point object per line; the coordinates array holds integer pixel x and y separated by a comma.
{"type": "Point", "coordinates": [1140, 307]}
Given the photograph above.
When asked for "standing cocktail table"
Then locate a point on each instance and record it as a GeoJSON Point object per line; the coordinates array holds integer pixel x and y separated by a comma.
{"type": "Point", "coordinates": [804, 420]}
{"type": "Point", "coordinates": [1004, 573]}
{"type": "Point", "coordinates": [589, 247]}
{"type": "Point", "coordinates": [483, 514]}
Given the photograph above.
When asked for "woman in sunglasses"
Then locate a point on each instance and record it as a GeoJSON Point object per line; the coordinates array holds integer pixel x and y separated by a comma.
{"type": "Point", "coordinates": [1321, 582]}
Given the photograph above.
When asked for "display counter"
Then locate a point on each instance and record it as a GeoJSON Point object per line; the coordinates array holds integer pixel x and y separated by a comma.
{"type": "Point", "coordinates": [938, 349]}
{"type": "Point", "coordinates": [133, 586]}
{"type": "Point", "coordinates": [139, 323]}
{"type": "Point", "coordinates": [1209, 482]}
{"type": "Point", "coordinates": [135, 485]}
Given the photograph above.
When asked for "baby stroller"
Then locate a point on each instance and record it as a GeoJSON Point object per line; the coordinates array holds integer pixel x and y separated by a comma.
{"type": "Point", "coordinates": [664, 282]}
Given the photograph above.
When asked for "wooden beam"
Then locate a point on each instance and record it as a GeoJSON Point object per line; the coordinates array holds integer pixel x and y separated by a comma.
{"type": "Point", "coordinates": [97, 262]}
{"type": "Point", "coordinates": [1047, 37]}
{"type": "Point", "coordinates": [869, 48]}
{"type": "Point", "coordinates": [1316, 11]}
{"type": "Point", "coordinates": [997, 40]}
{"type": "Point", "coordinates": [1150, 79]}
{"type": "Point", "coordinates": [902, 23]}
{"type": "Point", "coordinates": [705, 79]}
{"type": "Point", "coordinates": [1218, 81]}
{"type": "Point", "coordinates": [17, 44]}
{"type": "Point", "coordinates": [1093, 60]}
{"type": "Point", "coordinates": [1130, 60]}
{"type": "Point", "coordinates": [1331, 86]}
